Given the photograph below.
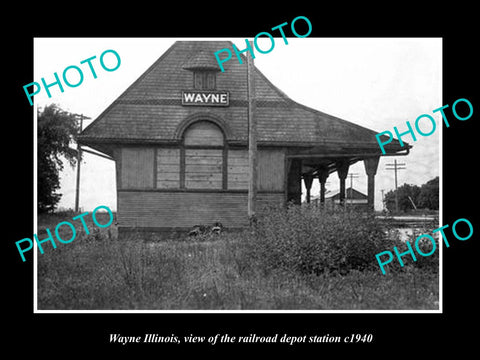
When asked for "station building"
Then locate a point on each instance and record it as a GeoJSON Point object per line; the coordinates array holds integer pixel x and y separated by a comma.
{"type": "Point", "coordinates": [179, 139]}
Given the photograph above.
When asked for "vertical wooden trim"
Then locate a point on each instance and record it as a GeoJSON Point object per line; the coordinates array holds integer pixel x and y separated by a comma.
{"type": "Point", "coordinates": [182, 166]}
{"type": "Point", "coordinates": [225, 166]}
{"type": "Point", "coordinates": [155, 154]}
{"type": "Point", "coordinates": [294, 190]}
{"type": "Point", "coordinates": [298, 196]}
{"type": "Point", "coordinates": [252, 138]}
{"type": "Point", "coordinates": [288, 163]}
{"type": "Point", "coordinates": [119, 168]}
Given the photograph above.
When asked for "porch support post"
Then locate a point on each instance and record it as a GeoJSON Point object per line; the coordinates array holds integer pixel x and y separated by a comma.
{"type": "Point", "coordinates": [371, 165]}
{"type": "Point", "coordinates": [342, 170]}
{"type": "Point", "coordinates": [308, 179]}
{"type": "Point", "coordinates": [322, 178]}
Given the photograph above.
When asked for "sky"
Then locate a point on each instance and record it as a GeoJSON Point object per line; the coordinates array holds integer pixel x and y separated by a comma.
{"type": "Point", "coordinates": [377, 83]}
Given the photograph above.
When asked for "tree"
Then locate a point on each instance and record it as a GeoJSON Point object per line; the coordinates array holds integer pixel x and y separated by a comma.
{"type": "Point", "coordinates": [425, 196]}
{"type": "Point", "coordinates": [406, 194]}
{"type": "Point", "coordinates": [429, 194]}
{"type": "Point", "coordinates": [56, 129]}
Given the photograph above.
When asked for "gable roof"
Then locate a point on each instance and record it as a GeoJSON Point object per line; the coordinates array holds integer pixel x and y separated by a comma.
{"type": "Point", "coordinates": [350, 193]}
{"type": "Point", "coordinates": [150, 110]}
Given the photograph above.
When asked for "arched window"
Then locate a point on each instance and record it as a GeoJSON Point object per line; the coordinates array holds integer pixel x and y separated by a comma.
{"type": "Point", "coordinates": [203, 133]}
{"type": "Point", "coordinates": [203, 157]}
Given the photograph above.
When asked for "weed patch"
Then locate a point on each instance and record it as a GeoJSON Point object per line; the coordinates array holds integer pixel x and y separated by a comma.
{"type": "Point", "coordinates": [295, 259]}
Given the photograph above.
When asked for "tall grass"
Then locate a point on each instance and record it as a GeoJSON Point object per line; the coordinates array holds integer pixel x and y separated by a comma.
{"type": "Point", "coordinates": [295, 258]}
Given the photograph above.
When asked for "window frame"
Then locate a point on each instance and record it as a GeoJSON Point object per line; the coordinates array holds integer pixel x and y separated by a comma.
{"type": "Point", "coordinates": [204, 77]}
{"type": "Point", "coordinates": [224, 165]}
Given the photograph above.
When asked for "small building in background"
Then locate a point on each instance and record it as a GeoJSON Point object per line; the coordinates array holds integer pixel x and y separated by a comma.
{"type": "Point", "coordinates": [353, 199]}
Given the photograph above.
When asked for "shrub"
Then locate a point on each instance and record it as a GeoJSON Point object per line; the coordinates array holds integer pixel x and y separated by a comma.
{"type": "Point", "coordinates": [309, 239]}
{"type": "Point", "coordinates": [430, 262]}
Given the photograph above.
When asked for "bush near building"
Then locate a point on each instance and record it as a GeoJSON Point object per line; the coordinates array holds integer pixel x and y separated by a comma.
{"type": "Point", "coordinates": [307, 239]}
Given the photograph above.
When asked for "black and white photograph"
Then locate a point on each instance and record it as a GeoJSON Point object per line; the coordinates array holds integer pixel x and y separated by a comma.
{"type": "Point", "coordinates": [235, 185]}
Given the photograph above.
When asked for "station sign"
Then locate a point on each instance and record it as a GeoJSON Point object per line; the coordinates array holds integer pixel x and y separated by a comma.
{"type": "Point", "coordinates": [206, 98]}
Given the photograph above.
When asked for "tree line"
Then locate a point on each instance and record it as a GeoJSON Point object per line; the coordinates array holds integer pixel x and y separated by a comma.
{"type": "Point", "coordinates": [413, 197]}
{"type": "Point", "coordinates": [56, 135]}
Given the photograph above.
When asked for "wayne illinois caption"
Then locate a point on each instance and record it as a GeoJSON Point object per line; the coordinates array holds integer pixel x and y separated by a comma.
{"type": "Point", "coordinates": [227, 339]}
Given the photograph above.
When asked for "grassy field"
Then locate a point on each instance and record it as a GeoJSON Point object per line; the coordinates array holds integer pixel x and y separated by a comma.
{"type": "Point", "coordinates": [97, 271]}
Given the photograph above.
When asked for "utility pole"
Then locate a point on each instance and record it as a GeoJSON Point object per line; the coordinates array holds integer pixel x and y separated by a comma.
{"type": "Point", "coordinates": [383, 201]}
{"type": "Point", "coordinates": [79, 159]}
{"type": "Point", "coordinates": [252, 139]}
{"type": "Point", "coordinates": [352, 176]}
{"type": "Point", "coordinates": [396, 166]}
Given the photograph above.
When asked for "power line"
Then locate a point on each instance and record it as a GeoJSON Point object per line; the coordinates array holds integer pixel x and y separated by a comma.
{"type": "Point", "coordinates": [396, 166]}
{"type": "Point", "coordinates": [383, 201]}
{"type": "Point", "coordinates": [351, 176]}
{"type": "Point", "coordinates": [79, 158]}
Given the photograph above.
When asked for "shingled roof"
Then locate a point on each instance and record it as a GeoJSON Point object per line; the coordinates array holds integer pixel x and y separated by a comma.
{"type": "Point", "coordinates": [202, 60]}
{"type": "Point", "coordinates": [151, 111]}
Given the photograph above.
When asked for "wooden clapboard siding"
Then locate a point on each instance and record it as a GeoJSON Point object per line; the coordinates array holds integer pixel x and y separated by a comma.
{"type": "Point", "coordinates": [168, 168]}
{"type": "Point", "coordinates": [270, 169]}
{"type": "Point", "coordinates": [137, 165]}
{"type": "Point", "coordinates": [270, 173]}
{"type": "Point", "coordinates": [265, 200]}
{"type": "Point", "coordinates": [203, 168]}
{"type": "Point", "coordinates": [237, 170]}
{"type": "Point", "coordinates": [181, 209]}
{"type": "Point", "coordinates": [117, 155]}
{"type": "Point", "coordinates": [204, 133]}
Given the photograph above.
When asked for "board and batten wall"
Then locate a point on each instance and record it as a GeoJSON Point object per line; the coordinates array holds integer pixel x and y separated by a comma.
{"type": "Point", "coordinates": [200, 182]}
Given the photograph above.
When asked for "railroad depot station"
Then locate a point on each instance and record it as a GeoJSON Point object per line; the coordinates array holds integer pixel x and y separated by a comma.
{"type": "Point", "coordinates": [179, 138]}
